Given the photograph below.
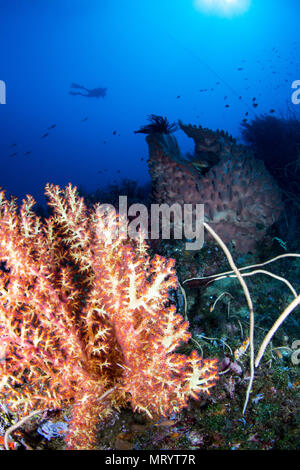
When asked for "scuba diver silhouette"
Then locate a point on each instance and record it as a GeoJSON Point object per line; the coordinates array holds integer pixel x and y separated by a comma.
{"type": "Point", "coordinates": [94, 93]}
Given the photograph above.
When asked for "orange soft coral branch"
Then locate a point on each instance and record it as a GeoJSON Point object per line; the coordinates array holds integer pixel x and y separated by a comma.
{"type": "Point", "coordinates": [86, 319]}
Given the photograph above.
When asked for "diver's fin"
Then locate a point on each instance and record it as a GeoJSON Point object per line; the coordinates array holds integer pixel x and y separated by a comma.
{"type": "Point", "coordinates": [75, 85]}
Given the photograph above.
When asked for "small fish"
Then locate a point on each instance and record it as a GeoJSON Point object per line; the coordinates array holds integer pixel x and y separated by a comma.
{"type": "Point", "coordinates": [255, 105]}
{"type": "Point", "coordinates": [142, 159]}
{"type": "Point", "coordinates": [114, 132]}
{"type": "Point", "coordinates": [13, 145]}
{"type": "Point", "coordinates": [240, 97]}
{"type": "Point", "coordinates": [165, 423]}
{"type": "Point", "coordinates": [118, 171]}
{"type": "Point", "coordinates": [84, 119]}
{"type": "Point", "coordinates": [272, 111]}
{"type": "Point", "coordinates": [51, 127]}
{"type": "Point", "coordinates": [247, 114]}
{"type": "Point", "coordinates": [28, 153]}
{"type": "Point", "coordinates": [242, 349]}
{"type": "Point", "coordinates": [13, 154]}
{"type": "Point", "coordinates": [177, 97]}
{"type": "Point", "coordinates": [226, 105]}
{"type": "Point", "coordinates": [245, 120]}
{"type": "Point", "coordinates": [240, 69]}
{"type": "Point", "coordinates": [45, 135]}
{"type": "Point", "coordinates": [254, 99]}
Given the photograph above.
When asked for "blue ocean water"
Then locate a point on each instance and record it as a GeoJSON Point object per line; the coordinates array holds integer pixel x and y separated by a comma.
{"type": "Point", "coordinates": [171, 58]}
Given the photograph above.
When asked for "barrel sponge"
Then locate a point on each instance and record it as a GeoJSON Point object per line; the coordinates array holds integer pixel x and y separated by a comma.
{"type": "Point", "coordinates": [241, 199]}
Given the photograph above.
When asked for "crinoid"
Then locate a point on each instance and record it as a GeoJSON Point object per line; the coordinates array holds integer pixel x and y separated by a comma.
{"type": "Point", "coordinates": [158, 125]}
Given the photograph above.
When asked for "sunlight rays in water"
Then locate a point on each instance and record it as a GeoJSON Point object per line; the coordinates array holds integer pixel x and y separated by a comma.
{"type": "Point", "coordinates": [227, 8]}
